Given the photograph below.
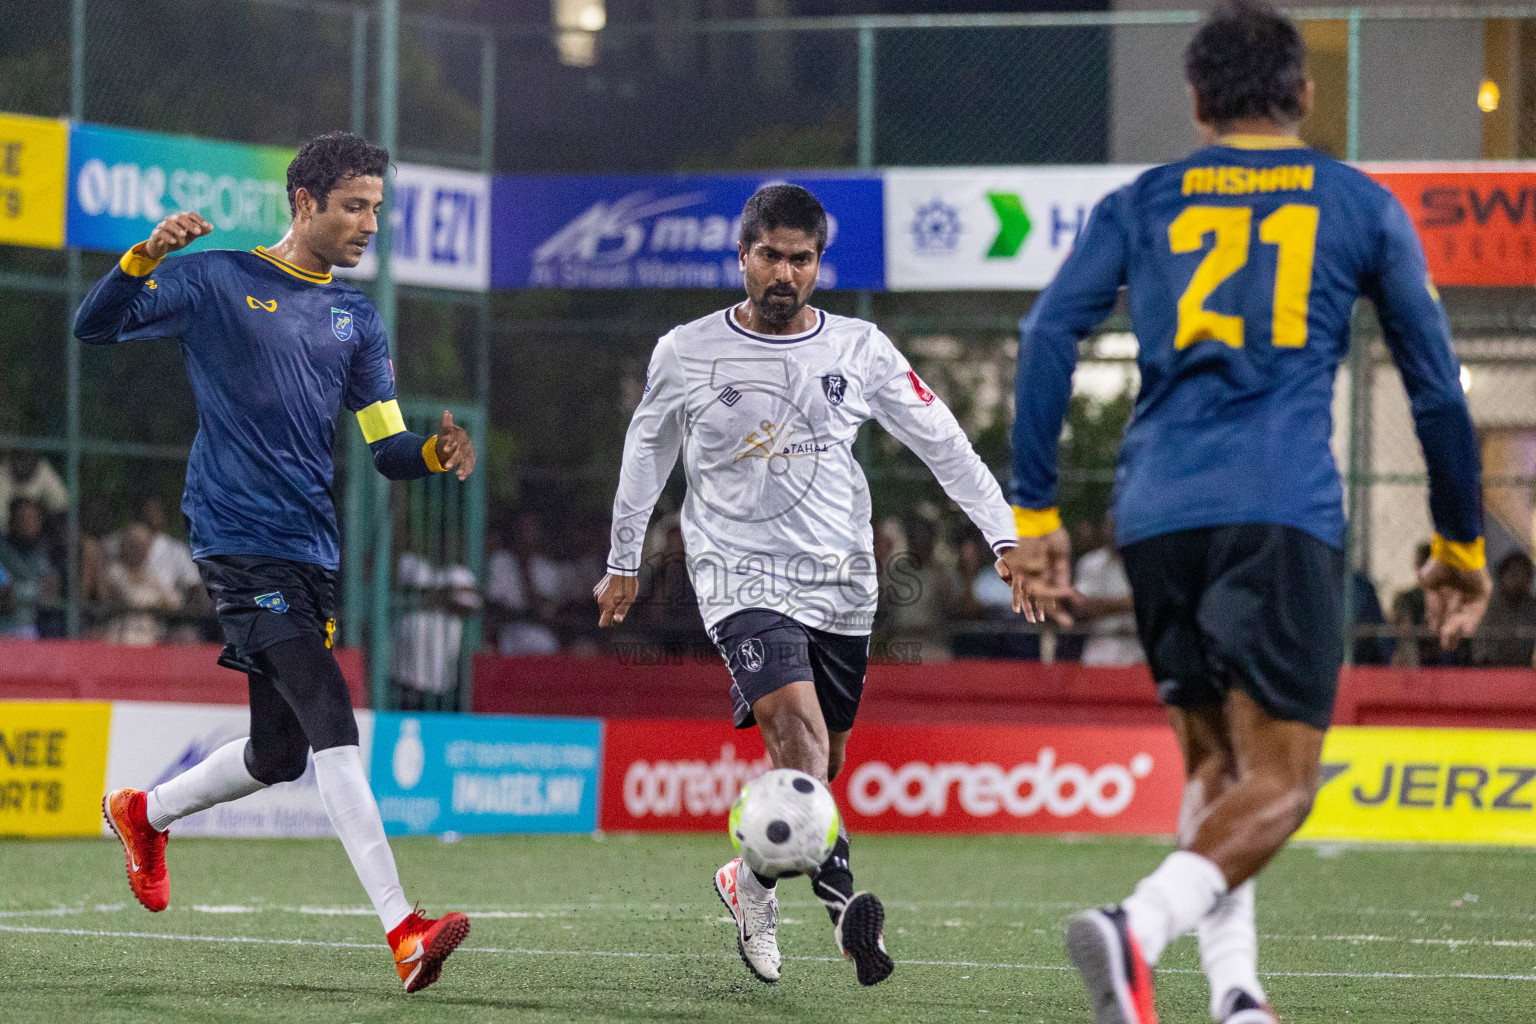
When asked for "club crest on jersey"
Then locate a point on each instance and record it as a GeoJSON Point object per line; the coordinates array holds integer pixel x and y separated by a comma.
{"type": "Point", "coordinates": [834, 386]}
{"type": "Point", "coordinates": [919, 388]}
{"type": "Point", "coordinates": [273, 602]}
{"type": "Point", "coordinates": [751, 655]}
{"type": "Point", "coordinates": [341, 324]}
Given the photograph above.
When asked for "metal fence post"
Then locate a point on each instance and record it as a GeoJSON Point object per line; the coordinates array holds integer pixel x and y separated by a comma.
{"type": "Point", "coordinates": [359, 465]}
{"type": "Point", "coordinates": [866, 95]}
{"type": "Point", "coordinates": [384, 300]}
{"type": "Point", "coordinates": [1359, 373]}
{"type": "Point", "coordinates": [72, 599]}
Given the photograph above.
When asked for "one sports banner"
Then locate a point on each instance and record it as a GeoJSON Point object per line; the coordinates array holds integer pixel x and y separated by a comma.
{"type": "Point", "coordinates": [1427, 785]}
{"type": "Point", "coordinates": [33, 151]}
{"type": "Point", "coordinates": [122, 183]}
{"type": "Point", "coordinates": [486, 773]}
{"type": "Point", "coordinates": [971, 228]}
{"type": "Point", "coordinates": [53, 760]}
{"type": "Point", "coordinates": [666, 231]}
{"type": "Point", "coordinates": [1477, 221]}
{"type": "Point", "coordinates": [682, 776]}
{"type": "Point", "coordinates": [442, 230]}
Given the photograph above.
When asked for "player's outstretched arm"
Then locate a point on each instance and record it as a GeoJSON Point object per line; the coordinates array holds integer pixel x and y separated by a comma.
{"type": "Point", "coordinates": [651, 447]}
{"type": "Point", "coordinates": [120, 307]}
{"type": "Point", "coordinates": [1455, 579]}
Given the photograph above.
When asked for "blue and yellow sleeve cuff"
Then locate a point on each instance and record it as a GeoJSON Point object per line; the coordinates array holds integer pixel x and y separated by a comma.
{"type": "Point", "coordinates": [429, 455]}
{"type": "Point", "coordinates": [136, 264]}
{"type": "Point", "coordinates": [1036, 522]}
{"type": "Point", "coordinates": [1465, 555]}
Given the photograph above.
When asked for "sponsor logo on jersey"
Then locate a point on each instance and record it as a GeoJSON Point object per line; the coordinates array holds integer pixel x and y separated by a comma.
{"type": "Point", "coordinates": [250, 300]}
{"type": "Point", "coordinates": [729, 396]}
{"type": "Point", "coordinates": [769, 441]}
{"type": "Point", "coordinates": [341, 324]}
{"type": "Point", "coordinates": [834, 386]}
{"type": "Point", "coordinates": [919, 388]}
{"type": "Point", "coordinates": [273, 602]}
{"type": "Point", "coordinates": [751, 654]}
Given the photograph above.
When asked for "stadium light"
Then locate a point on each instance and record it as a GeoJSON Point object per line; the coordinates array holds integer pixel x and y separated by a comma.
{"type": "Point", "coordinates": [578, 20]}
{"type": "Point", "coordinates": [1488, 96]}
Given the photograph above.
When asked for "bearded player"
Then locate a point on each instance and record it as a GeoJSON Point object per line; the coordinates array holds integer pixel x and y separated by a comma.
{"type": "Point", "coordinates": [274, 348]}
{"type": "Point", "coordinates": [1242, 264]}
{"type": "Point", "coordinates": [763, 402]}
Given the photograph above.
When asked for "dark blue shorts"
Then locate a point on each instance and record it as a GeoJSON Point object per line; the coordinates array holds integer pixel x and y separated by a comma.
{"type": "Point", "coordinates": [261, 601]}
{"type": "Point", "coordinates": [1250, 605]}
{"type": "Point", "coordinates": [767, 651]}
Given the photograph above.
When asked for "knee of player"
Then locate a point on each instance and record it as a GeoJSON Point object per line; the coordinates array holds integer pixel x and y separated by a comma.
{"type": "Point", "coordinates": [1293, 800]}
{"type": "Point", "coordinates": [269, 766]}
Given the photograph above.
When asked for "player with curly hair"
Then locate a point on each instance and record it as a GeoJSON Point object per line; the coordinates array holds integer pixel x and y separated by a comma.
{"type": "Point", "coordinates": [274, 347]}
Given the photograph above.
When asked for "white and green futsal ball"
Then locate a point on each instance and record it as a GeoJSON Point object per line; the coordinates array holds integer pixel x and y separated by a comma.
{"type": "Point", "coordinates": [784, 823]}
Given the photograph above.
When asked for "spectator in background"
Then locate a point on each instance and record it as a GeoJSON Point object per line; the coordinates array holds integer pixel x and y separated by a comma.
{"type": "Point", "coordinates": [24, 474]}
{"type": "Point", "coordinates": [1372, 646]}
{"type": "Point", "coordinates": [923, 594]}
{"type": "Point", "coordinates": [1410, 625]}
{"type": "Point", "coordinates": [524, 588]}
{"type": "Point", "coordinates": [139, 600]}
{"type": "Point", "coordinates": [429, 640]}
{"type": "Point", "coordinates": [7, 600]}
{"type": "Point", "coordinates": [37, 589]}
{"type": "Point", "coordinates": [668, 612]}
{"type": "Point", "coordinates": [1507, 635]}
{"type": "Point", "coordinates": [1101, 604]}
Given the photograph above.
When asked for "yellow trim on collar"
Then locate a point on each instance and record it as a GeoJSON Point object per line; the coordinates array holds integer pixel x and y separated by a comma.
{"type": "Point", "coordinates": [136, 264]}
{"type": "Point", "coordinates": [1471, 554]}
{"type": "Point", "coordinates": [381, 420]}
{"type": "Point", "coordinates": [1036, 522]}
{"type": "Point", "coordinates": [298, 272]}
{"type": "Point", "coordinates": [429, 453]}
{"type": "Point", "coordinates": [1261, 142]}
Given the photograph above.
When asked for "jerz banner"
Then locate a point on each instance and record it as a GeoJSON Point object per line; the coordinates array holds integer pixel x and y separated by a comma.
{"type": "Point", "coordinates": [666, 231]}
{"type": "Point", "coordinates": [682, 776]}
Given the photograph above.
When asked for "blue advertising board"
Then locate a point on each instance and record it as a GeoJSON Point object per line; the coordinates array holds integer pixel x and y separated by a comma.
{"type": "Point", "coordinates": [666, 231]}
{"type": "Point", "coordinates": [486, 773]}
{"type": "Point", "coordinates": [122, 183]}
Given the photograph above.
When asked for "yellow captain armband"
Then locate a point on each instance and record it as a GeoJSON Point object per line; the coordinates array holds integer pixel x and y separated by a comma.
{"type": "Point", "coordinates": [381, 420]}
{"type": "Point", "coordinates": [1036, 522]}
{"type": "Point", "coordinates": [429, 454]}
{"type": "Point", "coordinates": [1458, 554]}
{"type": "Point", "coordinates": [136, 264]}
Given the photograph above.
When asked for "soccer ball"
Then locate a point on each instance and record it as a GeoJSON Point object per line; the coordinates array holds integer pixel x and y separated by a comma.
{"type": "Point", "coordinates": [784, 823]}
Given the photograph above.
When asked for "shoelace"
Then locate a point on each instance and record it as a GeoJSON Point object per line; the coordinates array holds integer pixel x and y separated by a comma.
{"type": "Point", "coordinates": [762, 915]}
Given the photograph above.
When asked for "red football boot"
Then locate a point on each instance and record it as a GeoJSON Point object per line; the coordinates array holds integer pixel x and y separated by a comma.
{"type": "Point", "coordinates": [1110, 961]}
{"type": "Point", "coordinates": [421, 944]}
{"type": "Point", "coordinates": [124, 811]}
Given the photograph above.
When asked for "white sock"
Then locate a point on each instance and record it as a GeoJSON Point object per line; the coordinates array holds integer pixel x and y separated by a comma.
{"type": "Point", "coordinates": [355, 816]}
{"type": "Point", "coordinates": [220, 777]}
{"type": "Point", "coordinates": [1229, 947]}
{"type": "Point", "coordinates": [751, 888]}
{"type": "Point", "coordinates": [1172, 900]}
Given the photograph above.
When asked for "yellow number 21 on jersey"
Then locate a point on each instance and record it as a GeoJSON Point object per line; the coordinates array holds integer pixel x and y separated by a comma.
{"type": "Point", "coordinates": [1292, 229]}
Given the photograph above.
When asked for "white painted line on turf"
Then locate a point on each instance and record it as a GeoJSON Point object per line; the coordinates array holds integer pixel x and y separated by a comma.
{"type": "Point", "coordinates": [515, 951]}
{"type": "Point", "coordinates": [1410, 939]}
{"type": "Point", "coordinates": [100, 908]}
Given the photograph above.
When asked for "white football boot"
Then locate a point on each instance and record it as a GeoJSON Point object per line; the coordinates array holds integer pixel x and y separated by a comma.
{"type": "Point", "coordinates": [756, 910]}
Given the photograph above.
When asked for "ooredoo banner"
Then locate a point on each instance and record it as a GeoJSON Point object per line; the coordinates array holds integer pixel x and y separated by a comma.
{"type": "Point", "coordinates": [682, 776]}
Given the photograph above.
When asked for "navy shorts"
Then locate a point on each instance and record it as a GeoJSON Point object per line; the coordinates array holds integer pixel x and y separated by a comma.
{"type": "Point", "coordinates": [261, 601]}
{"type": "Point", "coordinates": [1250, 605]}
{"type": "Point", "coordinates": [767, 651]}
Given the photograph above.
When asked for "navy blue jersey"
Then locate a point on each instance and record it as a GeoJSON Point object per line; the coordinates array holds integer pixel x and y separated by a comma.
{"type": "Point", "coordinates": [273, 353]}
{"type": "Point", "coordinates": [1243, 263]}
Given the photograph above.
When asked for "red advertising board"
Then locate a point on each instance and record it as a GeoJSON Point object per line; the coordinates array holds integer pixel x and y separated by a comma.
{"type": "Point", "coordinates": [682, 776]}
{"type": "Point", "coordinates": [1477, 221]}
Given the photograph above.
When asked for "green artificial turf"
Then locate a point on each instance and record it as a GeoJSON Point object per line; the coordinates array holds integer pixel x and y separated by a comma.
{"type": "Point", "coordinates": [628, 928]}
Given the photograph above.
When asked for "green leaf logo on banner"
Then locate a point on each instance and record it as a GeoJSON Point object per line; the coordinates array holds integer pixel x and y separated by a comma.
{"type": "Point", "coordinates": [1013, 225]}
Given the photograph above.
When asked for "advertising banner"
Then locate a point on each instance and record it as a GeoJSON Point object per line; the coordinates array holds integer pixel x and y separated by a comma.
{"type": "Point", "coordinates": [442, 222]}
{"type": "Point", "coordinates": [53, 757]}
{"type": "Point", "coordinates": [974, 228]}
{"type": "Point", "coordinates": [486, 773]}
{"type": "Point", "coordinates": [1477, 221]}
{"type": "Point", "coordinates": [1427, 785]}
{"type": "Point", "coordinates": [33, 157]}
{"type": "Point", "coordinates": [153, 743]}
{"type": "Point", "coordinates": [682, 776]}
{"type": "Point", "coordinates": [666, 231]}
{"type": "Point", "coordinates": [122, 183]}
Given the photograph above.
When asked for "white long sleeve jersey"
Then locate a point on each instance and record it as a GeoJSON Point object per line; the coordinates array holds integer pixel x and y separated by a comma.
{"type": "Point", "coordinates": [777, 513]}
